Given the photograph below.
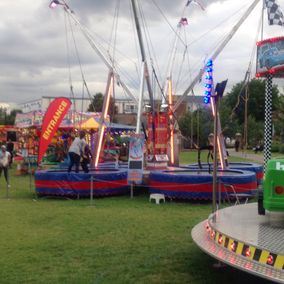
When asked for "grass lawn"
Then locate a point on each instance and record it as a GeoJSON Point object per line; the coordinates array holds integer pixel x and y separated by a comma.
{"type": "Point", "coordinates": [191, 157]}
{"type": "Point", "coordinates": [119, 240]}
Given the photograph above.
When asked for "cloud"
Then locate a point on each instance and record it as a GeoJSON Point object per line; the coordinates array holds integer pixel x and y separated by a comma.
{"type": "Point", "coordinates": [38, 57]}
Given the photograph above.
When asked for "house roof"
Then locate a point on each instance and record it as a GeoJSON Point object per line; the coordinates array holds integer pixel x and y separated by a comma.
{"type": "Point", "coordinates": [195, 100]}
{"type": "Point", "coordinates": [120, 126]}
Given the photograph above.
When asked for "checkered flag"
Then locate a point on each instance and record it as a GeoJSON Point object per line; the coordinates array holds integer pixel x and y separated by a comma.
{"type": "Point", "coordinates": [275, 16]}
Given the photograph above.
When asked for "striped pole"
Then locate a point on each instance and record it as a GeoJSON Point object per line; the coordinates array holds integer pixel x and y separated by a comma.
{"type": "Point", "coordinates": [268, 119]}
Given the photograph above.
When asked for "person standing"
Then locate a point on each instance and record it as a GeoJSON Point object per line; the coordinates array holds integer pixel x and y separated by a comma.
{"type": "Point", "coordinates": [237, 145]}
{"type": "Point", "coordinates": [75, 151]}
{"type": "Point", "coordinates": [10, 149]}
{"type": "Point", "coordinates": [86, 158]}
{"type": "Point", "coordinates": [4, 163]}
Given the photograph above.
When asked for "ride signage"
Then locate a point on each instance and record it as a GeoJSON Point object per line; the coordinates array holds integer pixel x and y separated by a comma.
{"type": "Point", "coordinates": [135, 160]}
{"type": "Point", "coordinates": [270, 57]}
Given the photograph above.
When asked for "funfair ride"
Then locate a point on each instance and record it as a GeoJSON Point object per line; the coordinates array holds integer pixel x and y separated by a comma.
{"type": "Point", "coordinates": [158, 121]}
{"type": "Point", "coordinates": [237, 235]}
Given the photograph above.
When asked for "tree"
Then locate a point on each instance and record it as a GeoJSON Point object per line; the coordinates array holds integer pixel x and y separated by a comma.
{"type": "Point", "coordinates": [278, 120]}
{"type": "Point", "coordinates": [229, 127]}
{"type": "Point", "coordinates": [12, 116]}
{"type": "Point", "coordinates": [200, 122]}
{"type": "Point", "coordinates": [8, 118]}
{"type": "Point", "coordinates": [256, 131]}
{"type": "Point", "coordinates": [234, 120]}
{"type": "Point", "coordinates": [232, 114]}
{"type": "Point", "coordinates": [3, 116]}
{"type": "Point", "coordinates": [256, 96]}
{"type": "Point", "coordinates": [97, 105]}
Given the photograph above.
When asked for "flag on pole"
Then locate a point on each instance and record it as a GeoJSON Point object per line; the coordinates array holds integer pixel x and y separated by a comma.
{"type": "Point", "coordinates": [275, 16]}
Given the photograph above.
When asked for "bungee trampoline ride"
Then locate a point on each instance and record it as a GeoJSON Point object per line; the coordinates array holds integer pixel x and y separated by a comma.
{"type": "Point", "coordinates": [98, 182]}
{"type": "Point", "coordinates": [196, 184]}
{"type": "Point", "coordinates": [243, 166]}
{"type": "Point", "coordinates": [173, 183]}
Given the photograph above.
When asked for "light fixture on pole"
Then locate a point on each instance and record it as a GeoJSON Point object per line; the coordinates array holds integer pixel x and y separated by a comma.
{"type": "Point", "coordinates": [54, 3]}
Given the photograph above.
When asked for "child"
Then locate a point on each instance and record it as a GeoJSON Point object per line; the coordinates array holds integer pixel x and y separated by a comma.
{"type": "Point", "coordinates": [86, 158]}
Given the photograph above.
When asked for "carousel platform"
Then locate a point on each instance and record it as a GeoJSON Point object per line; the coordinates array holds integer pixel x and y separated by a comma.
{"type": "Point", "coordinates": [241, 238]}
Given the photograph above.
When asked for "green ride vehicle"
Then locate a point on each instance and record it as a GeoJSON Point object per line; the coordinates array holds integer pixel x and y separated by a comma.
{"type": "Point", "coordinates": [271, 198]}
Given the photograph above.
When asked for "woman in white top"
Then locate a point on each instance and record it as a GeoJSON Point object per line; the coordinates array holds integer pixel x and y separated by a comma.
{"type": "Point", "coordinates": [5, 157]}
{"type": "Point", "coordinates": [75, 151]}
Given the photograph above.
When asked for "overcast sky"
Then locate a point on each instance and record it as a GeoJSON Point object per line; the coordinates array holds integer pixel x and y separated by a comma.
{"type": "Point", "coordinates": [39, 57]}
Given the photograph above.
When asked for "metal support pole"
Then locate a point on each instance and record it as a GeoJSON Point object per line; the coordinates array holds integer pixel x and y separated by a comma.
{"type": "Point", "coordinates": [30, 173]}
{"type": "Point", "coordinates": [7, 191]}
{"type": "Point", "coordinates": [92, 192]}
{"type": "Point", "coordinates": [140, 102]}
{"type": "Point", "coordinates": [173, 159]}
{"type": "Point", "coordinates": [246, 119]}
{"type": "Point", "coordinates": [220, 138]}
{"type": "Point", "coordinates": [99, 142]}
{"type": "Point", "coordinates": [143, 55]}
{"type": "Point", "coordinates": [7, 183]}
{"type": "Point", "coordinates": [262, 17]}
{"type": "Point", "coordinates": [215, 165]}
{"type": "Point", "coordinates": [131, 190]}
{"type": "Point", "coordinates": [268, 119]}
{"type": "Point", "coordinates": [219, 194]}
{"type": "Point", "coordinates": [191, 130]}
